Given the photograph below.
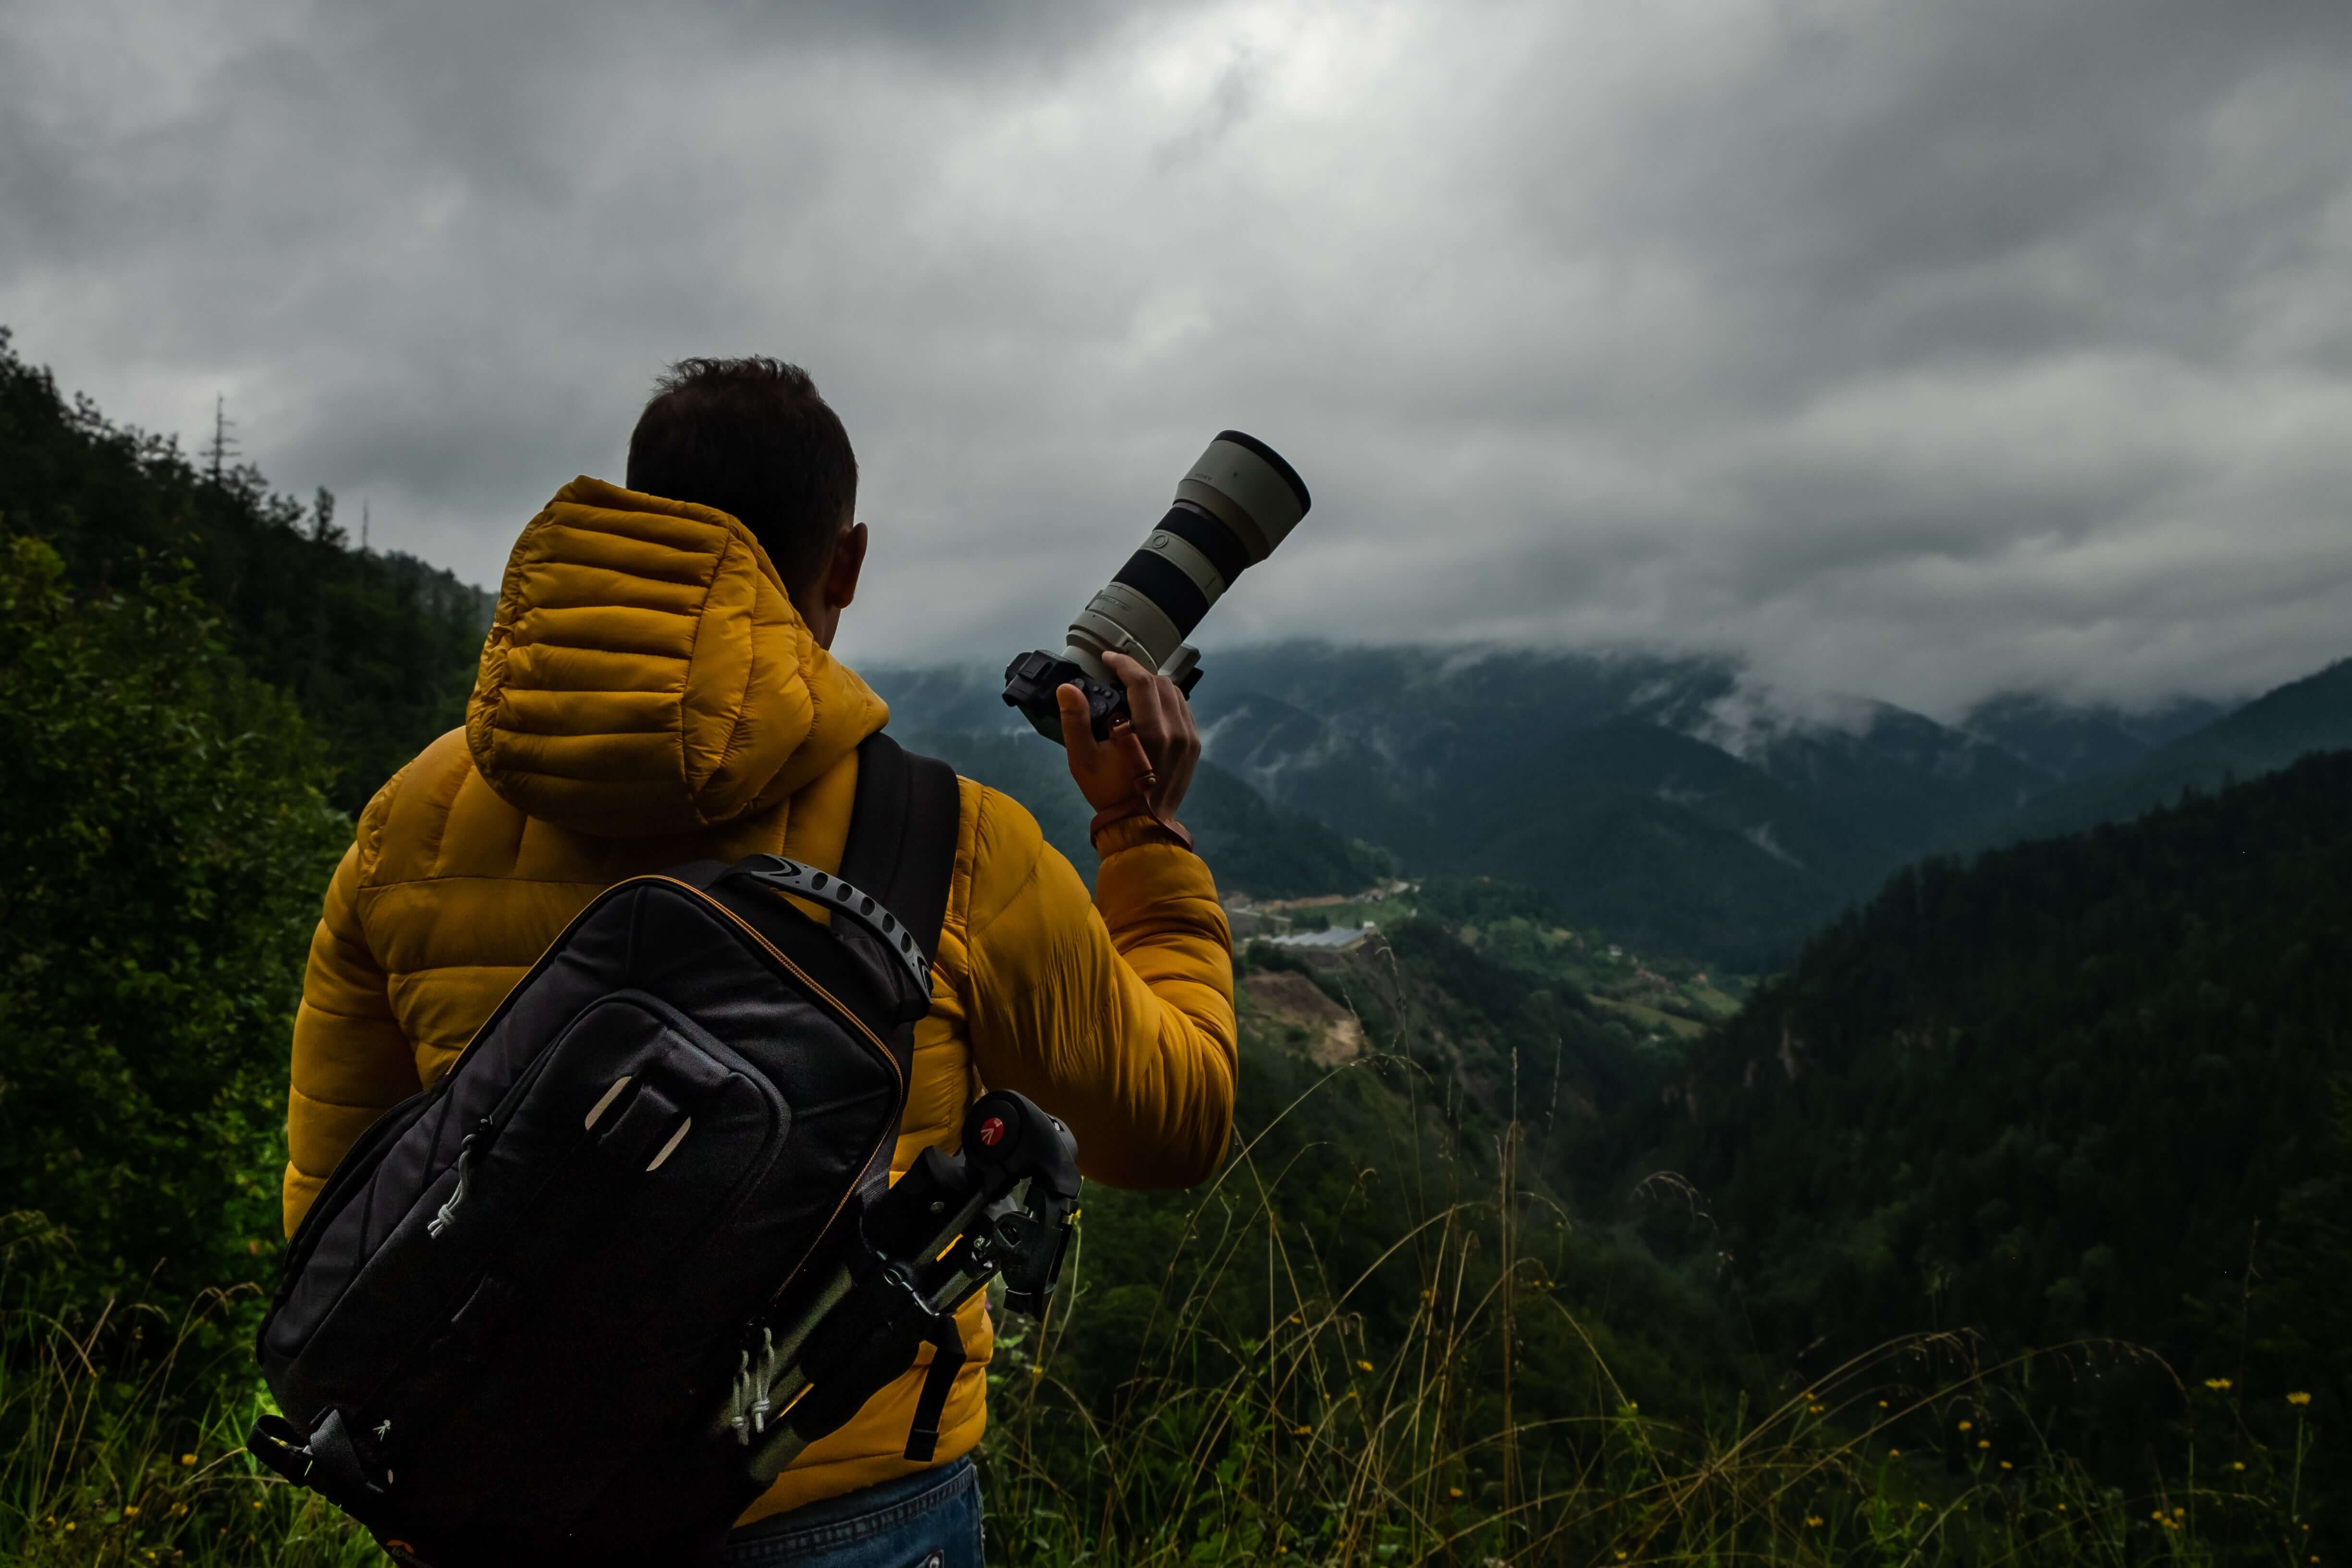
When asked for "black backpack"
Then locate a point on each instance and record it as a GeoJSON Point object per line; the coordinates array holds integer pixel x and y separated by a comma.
{"type": "Point", "coordinates": [535, 1313]}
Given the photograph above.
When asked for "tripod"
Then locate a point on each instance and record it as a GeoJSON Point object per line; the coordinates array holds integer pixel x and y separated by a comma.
{"type": "Point", "coordinates": [1004, 1205]}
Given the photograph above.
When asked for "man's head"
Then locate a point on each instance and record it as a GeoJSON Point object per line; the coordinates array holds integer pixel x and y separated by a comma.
{"type": "Point", "coordinates": [751, 437]}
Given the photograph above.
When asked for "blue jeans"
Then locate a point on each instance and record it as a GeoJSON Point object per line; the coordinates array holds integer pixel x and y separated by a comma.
{"type": "Point", "coordinates": [930, 1519]}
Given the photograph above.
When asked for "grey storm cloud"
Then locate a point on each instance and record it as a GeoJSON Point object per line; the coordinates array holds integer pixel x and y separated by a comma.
{"type": "Point", "coordinates": [1923, 349]}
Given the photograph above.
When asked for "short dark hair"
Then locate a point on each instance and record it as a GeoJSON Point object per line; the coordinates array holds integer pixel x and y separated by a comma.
{"type": "Point", "coordinates": [752, 437]}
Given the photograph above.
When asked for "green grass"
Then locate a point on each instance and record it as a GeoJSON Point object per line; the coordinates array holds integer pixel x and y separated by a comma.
{"type": "Point", "coordinates": [1330, 1436]}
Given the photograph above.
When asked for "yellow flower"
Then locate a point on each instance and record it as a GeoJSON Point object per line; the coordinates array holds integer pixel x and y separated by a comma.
{"type": "Point", "coordinates": [1984, 1442]}
{"type": "Point", "coordinates": [70, 1524]}
{"type": "Point", "coordinates": [1881, 1405]}
{"type": "Point", "coordinates": [2006, 1466]}
{"type": "Point", "coordinates": [1923, 1507]}
{"type": "Point", "coordinates": [1812, 1410]}
{"type": "Point", "coordinates": [187, 1458]}
{"type": "Point", "coordinates": [1967, 1426]}
{"type": "Point", "coordinates": [1363, 1366]}
{"type": "Point", "coordinates": [2236, 1464]}
{"type": "Point", "coordinates": [1620, 1557]}
{"type": "Point", "coordinates": [1813, 1521]}
{"type": "Point", "coordinates": [2061, 1508]}
{"type": "Point", "coordinates": [1453, 1491]}
{"type": "Point", "coordinates": [2298, 1399]}
{"type": "Point", "coordinates": [1301, 1431]}
{"type": "Point", "coordinates": [1894, 1453]}
{"type": "Point", "coordinates": [2217, 1383]}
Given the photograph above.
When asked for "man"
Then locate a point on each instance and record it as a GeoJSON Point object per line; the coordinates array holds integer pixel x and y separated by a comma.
{"type": "Point", "coordinates": [657, 688]}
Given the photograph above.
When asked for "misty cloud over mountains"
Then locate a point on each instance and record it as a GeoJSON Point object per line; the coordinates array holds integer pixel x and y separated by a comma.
{"type": "Point", "coordinates": [1923, 350]}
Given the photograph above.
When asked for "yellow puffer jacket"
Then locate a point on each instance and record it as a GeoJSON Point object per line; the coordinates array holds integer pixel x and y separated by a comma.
{"type": "Point", "coordinates": [649, 696]}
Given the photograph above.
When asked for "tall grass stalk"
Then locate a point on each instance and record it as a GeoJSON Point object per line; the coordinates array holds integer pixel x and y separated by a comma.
{"type": "Point", "coordinates": [122, 1440]}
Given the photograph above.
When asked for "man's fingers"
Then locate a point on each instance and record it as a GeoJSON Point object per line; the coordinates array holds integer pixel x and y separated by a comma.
{"type": "Point", "coordinates": [1143, 700]}
{"type": "Point", "coordinates": [1077, 724]}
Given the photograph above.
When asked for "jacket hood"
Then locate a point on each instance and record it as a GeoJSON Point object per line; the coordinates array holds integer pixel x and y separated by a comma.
{"type": "Point", "coordinates": [647, 674]}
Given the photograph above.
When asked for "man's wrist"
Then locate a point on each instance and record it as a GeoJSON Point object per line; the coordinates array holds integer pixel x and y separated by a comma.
{"type": "Point", "coordinates": [1125, 826]}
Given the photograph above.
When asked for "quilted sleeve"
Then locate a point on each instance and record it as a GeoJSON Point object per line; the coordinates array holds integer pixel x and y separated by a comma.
{"type": "Point", "coordinates": [1115, 1014]}
{"type": "Point", "coordinates": [351, 1063]}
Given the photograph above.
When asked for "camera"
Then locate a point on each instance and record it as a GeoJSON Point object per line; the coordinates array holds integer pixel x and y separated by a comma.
{"type": "Point", "coordinates": [1232, 508]}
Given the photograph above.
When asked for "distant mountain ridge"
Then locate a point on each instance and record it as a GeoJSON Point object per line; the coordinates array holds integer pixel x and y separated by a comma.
{"type": "Point", "coordinates": [1668, 800]}
{"type": "Point", "coordinates": [2314, 714]}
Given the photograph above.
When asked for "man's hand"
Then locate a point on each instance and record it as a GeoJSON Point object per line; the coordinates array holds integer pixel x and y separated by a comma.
{"type": "Point", "coordinates": [1151, 758]}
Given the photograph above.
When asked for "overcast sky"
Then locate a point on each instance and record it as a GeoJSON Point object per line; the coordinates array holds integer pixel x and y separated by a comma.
{"type": "Point", "coordinates": [1917, 349]}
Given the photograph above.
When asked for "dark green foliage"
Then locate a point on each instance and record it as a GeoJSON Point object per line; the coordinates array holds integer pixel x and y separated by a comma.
{"type": "Point", "coordinates": [379, 649]}
{"type": "Point", "coordinates": [2299, 1312]}
{"type": "Point", "coordinates": [2065, 1090]}
{"type": "Point", "coordinates": [162, 849]}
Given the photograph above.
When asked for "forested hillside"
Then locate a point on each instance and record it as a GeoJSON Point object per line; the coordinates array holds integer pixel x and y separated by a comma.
{"type": "Point", "coordinates": [377, 649]}
{"type": "Point", "coordinates": [2089, 1086]}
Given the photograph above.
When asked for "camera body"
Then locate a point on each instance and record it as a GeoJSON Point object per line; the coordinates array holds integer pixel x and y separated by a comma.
{"type": "Point", "coordinates": [1234, 506]}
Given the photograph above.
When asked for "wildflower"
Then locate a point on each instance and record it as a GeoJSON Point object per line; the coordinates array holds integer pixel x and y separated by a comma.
{"type": "Point", "coordinates": [1894, 1453]}
{"type": "Point", "coordinates": [1620, 1557]}
{"type": "Point", "coordinates": [1923, 1507]}
{"type": "Point", "coordinates": [2298, 1399]}
{"type": "Point", "coordinates": [2061, 1508]}
{"type": "Point", "coordinates": [187, 1458]}
{"type": "Point", "coordinates": [1036, 1371]}
{"type": "Point", "coordinates": [1967, 1426]}
{"type": "Point", "coordinates": [1881, 1405]}
{"type": "Point", "coordinates": [2236, 1464]}
{"type": "Point", "coordinates": [2218, 1384]}
{"type": "Point", "coordinates": [1363, 1366]}
{"type": "Point", "coordinates": [1301, 1431]}
{"type": "Point", "coordinates": [2006, 1466]}
{"type": "Point", "coordinates": [130, 1511]}
{"type": "Point", "coordinates": [1984, 1442]}
{"type": "Point", "coordinates": [1812, 1410]}
{"type": "Point", "coordinates": [2178, 1511]}
{"type": "Point", "coordinates": [70, 1524]}
{"type": "Point", "coordinates": [1813, 1521]}
{"type": "Point", "coordinates": [1453, 1491]}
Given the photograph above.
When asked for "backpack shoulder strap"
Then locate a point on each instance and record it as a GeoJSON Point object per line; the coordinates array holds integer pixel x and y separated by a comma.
{"type": "Point", "coordinates": [902, 834]}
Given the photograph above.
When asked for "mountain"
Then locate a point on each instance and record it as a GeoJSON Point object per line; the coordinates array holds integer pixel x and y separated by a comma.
{"type": "Point", "coordinates": [2071, 741]}
{"type": "Point", "coordinates": [2080, 1085]}
{"type": "Point", "coordinates": [2313, 714]}
{"type": "Point", "coordinates": [1659, 798]}
{"type": "Point", "coordinates": [1666, 800]}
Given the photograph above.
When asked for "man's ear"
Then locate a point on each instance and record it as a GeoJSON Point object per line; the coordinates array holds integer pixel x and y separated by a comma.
{"type": "Point", "coordinates": [840, 585]}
